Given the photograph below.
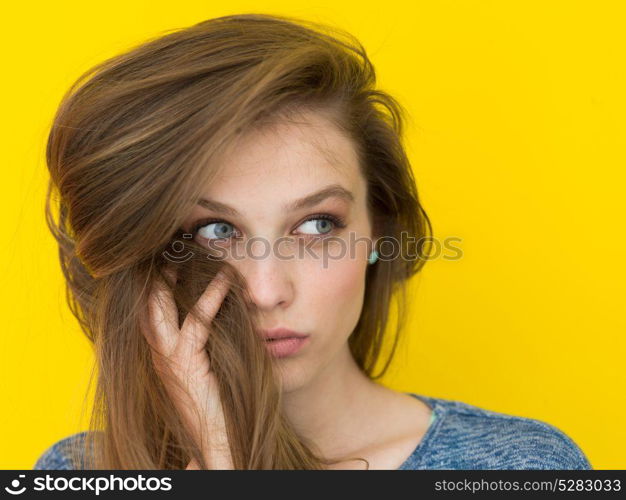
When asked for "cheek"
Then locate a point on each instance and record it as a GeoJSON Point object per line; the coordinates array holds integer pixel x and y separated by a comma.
{"type": "Point", "coordinates": [337, 290]}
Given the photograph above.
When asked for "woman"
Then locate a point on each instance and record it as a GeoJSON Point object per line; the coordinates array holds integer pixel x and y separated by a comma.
{"type": "Point", "coordinates": [224, 192]}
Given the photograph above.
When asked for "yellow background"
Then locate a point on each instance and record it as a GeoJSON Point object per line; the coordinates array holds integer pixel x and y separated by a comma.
{"type": "Point", "coordinates": [517, 140]}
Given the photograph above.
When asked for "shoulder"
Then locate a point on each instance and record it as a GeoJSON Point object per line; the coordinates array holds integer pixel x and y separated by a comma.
{"type": "Point", "coordinates": [465, 436]}
{"type": "Point", "coordinates": [65, 454]}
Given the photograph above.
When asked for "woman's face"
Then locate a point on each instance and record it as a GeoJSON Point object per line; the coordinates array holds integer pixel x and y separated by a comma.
{"type": "Point", "coordinates": [297, 282]}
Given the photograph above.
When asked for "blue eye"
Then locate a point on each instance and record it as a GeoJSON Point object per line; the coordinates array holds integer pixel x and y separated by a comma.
{"type": "Point", "coordinates": [214, 230]}
{"type": "Point", "coordinates": [217, 229]}
{"type": "Point", "coordinates": [323, 225]}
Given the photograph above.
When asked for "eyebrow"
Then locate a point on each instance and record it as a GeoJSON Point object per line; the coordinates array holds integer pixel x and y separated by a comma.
{"type": "Point", "coordinates": [330, 191]}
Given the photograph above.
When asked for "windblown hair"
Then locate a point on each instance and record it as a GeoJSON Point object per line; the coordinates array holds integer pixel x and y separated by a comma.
{"type": "Point", "coordinates": [132, 144]}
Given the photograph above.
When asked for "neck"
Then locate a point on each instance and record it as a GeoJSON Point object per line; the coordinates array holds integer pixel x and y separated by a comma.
{"type": "Point", "coordinates": [336, 410]}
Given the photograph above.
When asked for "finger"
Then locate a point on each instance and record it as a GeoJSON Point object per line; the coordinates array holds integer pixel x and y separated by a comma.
{"type": "Point", "coordinates": [195, 331]}
{"type": "Point", "coordinates": [171, 272]}
{"type": "Point", "coordinates": [163, 316]}
{"type": "Point", "coordinates": [193, 465]}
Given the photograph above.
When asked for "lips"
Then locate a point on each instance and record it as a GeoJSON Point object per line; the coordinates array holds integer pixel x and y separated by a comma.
{"type": "Point", "coordinates": [285, 347]}
{"type": "Point", "coordinates": [283, 342]}
{"type": "Point", "coordinates": [280, 333]}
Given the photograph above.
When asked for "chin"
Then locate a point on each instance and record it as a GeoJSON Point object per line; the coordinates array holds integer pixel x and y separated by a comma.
{"type": "Point", "coordinates": [292, 373]}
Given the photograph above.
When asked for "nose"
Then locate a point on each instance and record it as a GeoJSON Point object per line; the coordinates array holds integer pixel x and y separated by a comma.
{"type": "Point", "coordinates": [269, 283]}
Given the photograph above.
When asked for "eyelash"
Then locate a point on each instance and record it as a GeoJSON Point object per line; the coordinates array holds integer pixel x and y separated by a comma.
{"type": "Point", "coordinates": [338, 222]}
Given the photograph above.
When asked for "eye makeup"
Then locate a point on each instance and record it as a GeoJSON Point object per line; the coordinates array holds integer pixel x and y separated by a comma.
{"type": "Point", "coordinates": [337, 221]}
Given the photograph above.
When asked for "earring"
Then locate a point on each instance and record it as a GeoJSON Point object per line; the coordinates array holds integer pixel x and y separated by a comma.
{"type": "Point", "coordinates": [373, 257]}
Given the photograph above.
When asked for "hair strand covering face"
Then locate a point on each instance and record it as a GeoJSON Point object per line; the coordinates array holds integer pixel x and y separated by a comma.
{"type": "Point", "coordinates": [132, 143]}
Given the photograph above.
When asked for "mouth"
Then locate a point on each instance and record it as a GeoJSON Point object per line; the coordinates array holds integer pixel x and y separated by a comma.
{"type": "Point", "coordinates": [280, 333]}
{"type": "Point", "coordinates": [287, 346]}
{"type": "Point", "coordinates": [283, 342]}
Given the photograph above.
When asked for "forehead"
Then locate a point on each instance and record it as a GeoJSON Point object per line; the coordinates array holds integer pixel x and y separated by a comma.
{"type": "Point", "coordinates": [286, 159]}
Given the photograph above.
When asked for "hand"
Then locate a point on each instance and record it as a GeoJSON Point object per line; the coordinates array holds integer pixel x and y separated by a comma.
{"type": "Point", "coordinates": [183, 359]}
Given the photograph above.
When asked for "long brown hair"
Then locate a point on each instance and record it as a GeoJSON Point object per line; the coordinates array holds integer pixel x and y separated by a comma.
{"type": "Point", "coordinates": [133, 142]}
